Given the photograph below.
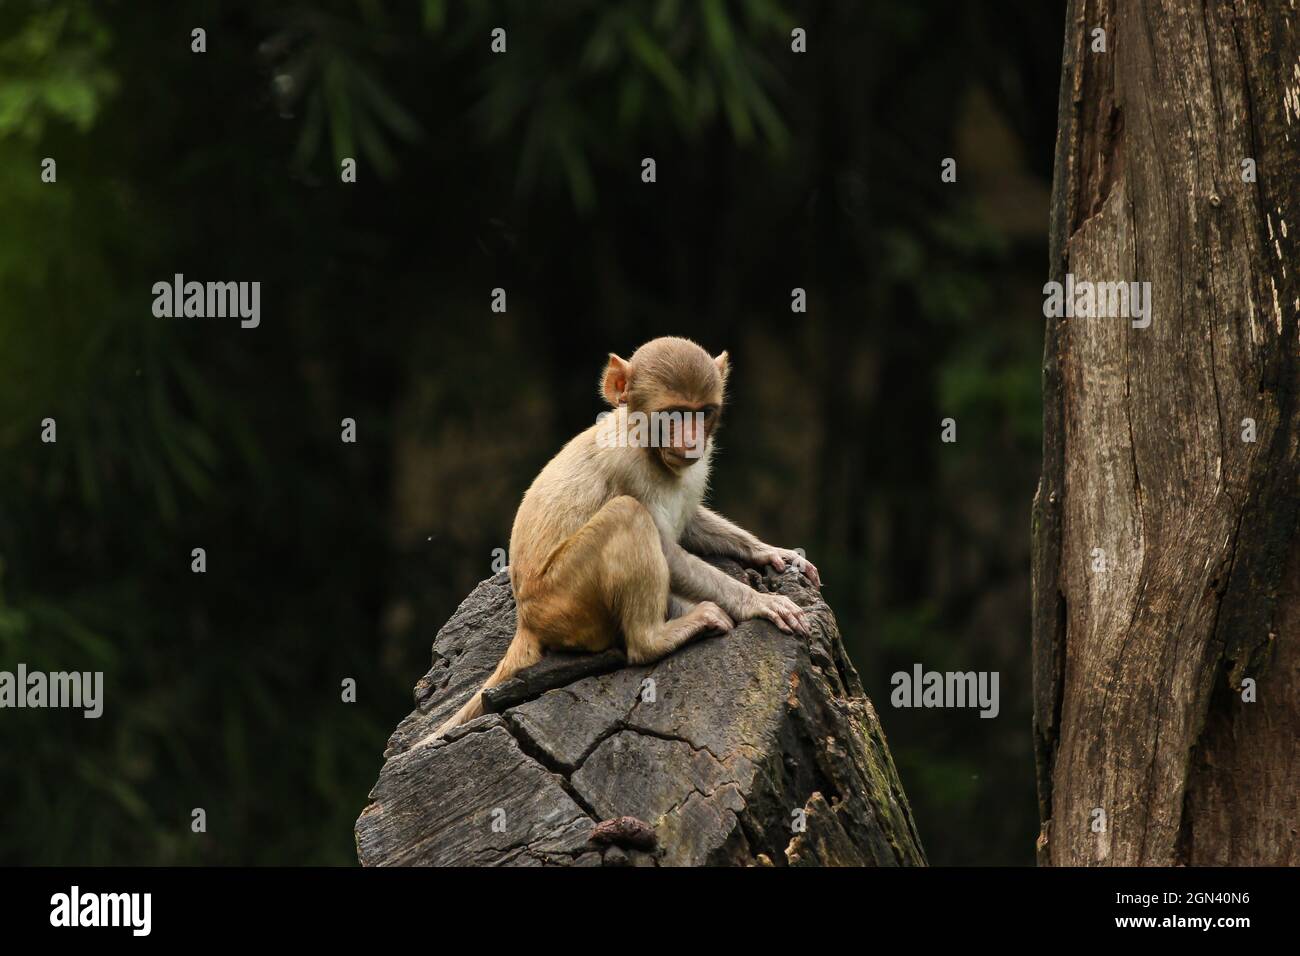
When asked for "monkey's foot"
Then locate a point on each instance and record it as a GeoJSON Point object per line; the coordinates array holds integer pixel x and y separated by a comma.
{"type": "Point", "coordinates": [707, 616]}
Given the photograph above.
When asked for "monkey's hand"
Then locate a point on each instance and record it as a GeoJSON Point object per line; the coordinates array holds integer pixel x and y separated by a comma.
{"type": "Point", "coordinates": [778, 558]}
{"type": "Point", "coordinates": [778, 609]}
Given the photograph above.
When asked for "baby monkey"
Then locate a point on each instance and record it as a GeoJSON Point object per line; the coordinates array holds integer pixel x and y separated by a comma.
{"type": "Point", "coordinates": [606, 539]}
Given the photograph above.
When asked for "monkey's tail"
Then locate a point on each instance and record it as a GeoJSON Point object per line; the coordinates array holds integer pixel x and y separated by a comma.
{"type": "Point", "coordinates": [524, 651]}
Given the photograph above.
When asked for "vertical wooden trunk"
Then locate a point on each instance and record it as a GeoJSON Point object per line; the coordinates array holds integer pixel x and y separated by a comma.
{"type": "Point", "coordinates": [1147, 753]}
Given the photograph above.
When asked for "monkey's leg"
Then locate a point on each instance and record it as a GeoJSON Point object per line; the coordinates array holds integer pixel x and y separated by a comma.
{"type": "Point", "coordinates": [612, 575]}
{"type": "Point", "coordinates": [652, 643]}
{"type": "Point", "coordinates": [636, 585]}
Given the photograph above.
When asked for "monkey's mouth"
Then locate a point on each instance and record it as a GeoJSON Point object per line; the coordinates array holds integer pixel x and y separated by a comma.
{"type": "Point", "coordinates": [680, 458]}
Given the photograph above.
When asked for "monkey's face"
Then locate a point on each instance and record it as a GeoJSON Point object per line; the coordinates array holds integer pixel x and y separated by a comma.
{"type": "Point", "coordinates": [682, 429]}
{"type": "Point", "coordinates": [675, 390]}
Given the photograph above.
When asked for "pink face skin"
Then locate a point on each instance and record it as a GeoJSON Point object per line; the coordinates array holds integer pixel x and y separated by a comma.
{"type": "Point", "coordinates": [688, 435]}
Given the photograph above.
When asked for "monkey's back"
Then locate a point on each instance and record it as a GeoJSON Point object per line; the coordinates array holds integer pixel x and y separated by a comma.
{"type": "Point", "coordinates": [561, 499]}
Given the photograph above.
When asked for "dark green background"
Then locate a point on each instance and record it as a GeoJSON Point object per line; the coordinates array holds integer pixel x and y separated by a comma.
{"type": "Point", "coordinates": [328, 561]}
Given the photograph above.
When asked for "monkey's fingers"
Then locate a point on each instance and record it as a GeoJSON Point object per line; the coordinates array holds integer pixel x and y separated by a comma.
{"type": "Point", "coordinates": [775, 558]}
{"type": "Point", "coordinates": [773, 615]}
{"type": "Point", "coordinates": [787, 615]}
{"type": "Point", "coordinates": [779, 560]}
{"type": "Point", "coordinates": [795, 616]}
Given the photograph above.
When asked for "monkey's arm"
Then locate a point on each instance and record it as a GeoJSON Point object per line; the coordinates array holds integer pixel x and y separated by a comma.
{"type": "Point", "coordinates": [710, 533]}
{"type": "Point", "coordinates": [701, 581]}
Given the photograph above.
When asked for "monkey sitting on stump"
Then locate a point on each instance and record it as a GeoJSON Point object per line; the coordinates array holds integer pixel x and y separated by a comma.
{"type": "Point", "coordinates": [607, 536]}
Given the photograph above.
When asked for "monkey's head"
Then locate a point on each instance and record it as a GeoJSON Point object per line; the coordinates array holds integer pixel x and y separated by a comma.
{"type": "Point", "coordinates": [680, 389]}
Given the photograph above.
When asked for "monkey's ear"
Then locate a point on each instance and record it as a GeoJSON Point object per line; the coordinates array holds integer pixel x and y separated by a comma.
{"type": "Point", "coordinates": [614, 383]}
{"type": "Point", "coordinates": [723, 363]}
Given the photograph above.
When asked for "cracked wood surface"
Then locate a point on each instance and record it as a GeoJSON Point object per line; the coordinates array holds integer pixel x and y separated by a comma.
{"type": "Point", "coordinates": [1138, 669]}
{"type": "Point", "coordinates": [721, 747]}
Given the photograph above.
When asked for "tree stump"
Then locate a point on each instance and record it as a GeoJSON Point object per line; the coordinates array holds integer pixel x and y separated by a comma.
{"type": "Point", "coordinates": [750, 748]}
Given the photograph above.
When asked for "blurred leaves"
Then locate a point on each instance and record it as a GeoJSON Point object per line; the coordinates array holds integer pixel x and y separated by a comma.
{"type": "Point", "coordinates": [50, 66]}
{"type": "Point", "coordinates": [323, 67]}
{"type": "Point", "coordinates": [571, 75]}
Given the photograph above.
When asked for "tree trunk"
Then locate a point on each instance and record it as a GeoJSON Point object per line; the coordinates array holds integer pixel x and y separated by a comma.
{"type": "Point", "coordinates": [754, 748]}
{"type": "Point", "coordinates": [1147, 752]}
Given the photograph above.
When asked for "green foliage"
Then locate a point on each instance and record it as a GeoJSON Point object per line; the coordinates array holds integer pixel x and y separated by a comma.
{"type": "Point", "coordinates": [325, 67]}
{"type": "Point", "coordinates": [51, 67]}
{"type": "Point", "coordinates": [632, 66]}
{"type": "Point", "coordinates": [609, 72]}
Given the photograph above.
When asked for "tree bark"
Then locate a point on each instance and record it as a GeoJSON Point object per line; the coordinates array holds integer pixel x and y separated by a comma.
{"type": "Point", "coordinates": [1147, 752]}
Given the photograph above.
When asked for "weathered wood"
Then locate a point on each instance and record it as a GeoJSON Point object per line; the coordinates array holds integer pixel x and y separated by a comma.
{"type": "Point", "coordinates": [725, 749]}
{"type": "Point", "coordinates": [1138, 668]}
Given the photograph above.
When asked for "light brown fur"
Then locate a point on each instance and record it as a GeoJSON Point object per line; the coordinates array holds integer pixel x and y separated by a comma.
{"type": "Point", "coordinates": [596, 551]}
